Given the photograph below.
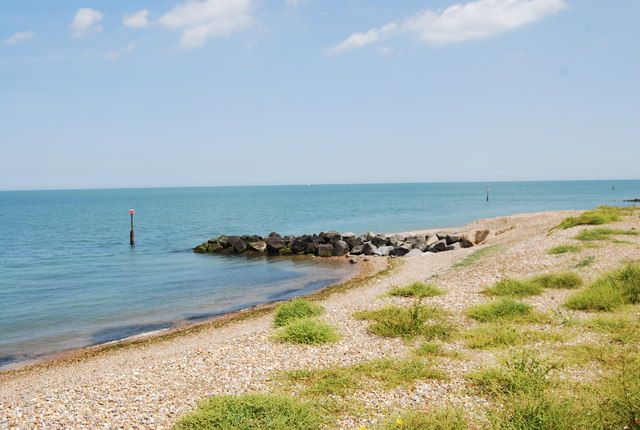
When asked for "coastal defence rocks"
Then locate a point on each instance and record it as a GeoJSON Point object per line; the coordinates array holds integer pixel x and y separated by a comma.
{"type": "Point", "coordinates": [334, 244]}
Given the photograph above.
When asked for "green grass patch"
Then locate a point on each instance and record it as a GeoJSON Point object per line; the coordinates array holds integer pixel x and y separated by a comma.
{"type": "Point", "coordinates": [585, 262]}
{"type": "Point", "coordinates": [559, 281]}
{"type": "Point", "coordinates": [307, 331]}
{"type": "Point", "coordinates": [295, 309]}
{"type": "Point", "coordinates": [514, 288]}
{"type": "Point", "coordinates": [602, 233]}
{"type": "Point", "coordinates": [249, 412]}
{"type": "Point", "coordinates": [416, 289]}
{"type": "Point", "coordinates": [434, 419]}
{"type": "Point", "coordinates": [478, 256]}
{"type": "Point", "coordinates": [610, 291]}
{"type": "Point", "coordinates": [390, 373]}
{"type": "Point", "coordinates": [505, 309]}
{"type": "Point", "coordinates": [501, 335]}
{"type": "Point", "coordinates": [408, 322]}
{"type": "Point", "coordinates": [564, 249]}
{"type": "Point", "coordinates": [600, 215]}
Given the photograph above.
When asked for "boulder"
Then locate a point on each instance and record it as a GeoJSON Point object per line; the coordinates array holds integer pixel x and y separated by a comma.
{"type": "Point", "coordinates": [453, 246]}
{"type": "Point", "coordinates": [224, 241]}
{"type": "Point", "coordinates": [431, 240]}
{"type": "Point", "coordinates": [285, 251]}
{"type": "Point", "coordinates": [421, 245]}
{"type": "Point", "coordinates": [311, 249]}
{"type": "Point", "coordinates": [369, 249]}
{"type": "Point", "coordinates": [214, 247]}
{"type": "Point", "coordinates": [340, 248]}
{"type": "Point", "coordinates": [439, 246]}
{"type": "Point", "coordinates": [317, 239]}
{"type": "Point", "coordinates": [299, 245]}
{"type": "Point", "coordinates": [395, 240]}
{"type": "Point", "coordinates": [274, 234]}
{"type": "Point", "coordinates": [214, 240]}
{"type": "Point", "coordinates": [274, 245]}
{"type": "Point", "coordinates": [453, 238]}
{"type": "Point", "coordinates": [330, 236]}
{"type": "Point", "coordinates": [400, 250]}
{"type": "Point", "coordinates": [383, 251]}
{"type": "Point", "coordinates": [481, 236]}
{"type": "Point", "coordinates": [325, 250]}
{"type": "Point", "coordinates": [357, 250]}
{"type": "Point", "coordinates": [353, 241]}
{"type": "Point", "coordinates": [258, 246]}
{"type": "Point", "coordinates": [251, 238]}
{"type": "Point", "coordinates": [367, 237]}
{"type": "Point", "coordinates": [238, 245]}
{"type": "Point", "coordinates": [441, 236]}
{"type": "Point", "coordinates": [348, 234]}
{"type": "Point", "coordinates": [465, 242]}
{"type": "Point", "coordinates": [379, 240]}
{"type": "Point", "coordinates": [414, 253]}
{"type": "Point", "coordinates": [200, 249]}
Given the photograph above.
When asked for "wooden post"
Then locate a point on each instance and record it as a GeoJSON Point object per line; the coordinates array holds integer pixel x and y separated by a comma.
{"type": "Point", "coordinates": [487, 193]}
{"type": "Point", "coordinates": [132, 240]}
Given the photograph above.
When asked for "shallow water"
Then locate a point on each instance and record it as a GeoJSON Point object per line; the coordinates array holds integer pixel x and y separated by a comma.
{"type": "Point", "coordinates": [68, 277]}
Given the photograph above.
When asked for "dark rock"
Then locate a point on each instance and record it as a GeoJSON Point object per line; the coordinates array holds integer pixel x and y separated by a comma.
{"type": "Point", "coordinates": [452, 238]}
{"type": "Point", "coordinates": [274, 234]}
{"type": "Point", "coordinates": [299, 245]}
{"type": "Point", "coordinates": [357, 250]}
{"type": "Point", "coordinates": [214, 247]}
{"type": "Point", "coordinates": [317, 239]}
{"type": "Point", "coordinates": [369, 249]}
{"type": "Point", "coordinates": [251, 238]}
{"type": "Point", "coordinates": [340, 248]}
{"type": "Point", "coordinates": [330, 237]}
{"type": "Point", "coordinates": [258, 246]}
{"type": "Point", "coordinates": [353, 241]}
{"type": "Point", "coordinates": [285, 251]}
{"type": "Point", "coordinates": [353, 261]}
{"type": "Point", "coordinates": [422, 245]}
{"type": "Point", "coordinates": [200, 249]}
{"type": "Point", "coordinates": [367, 237]}
{"type": "Point", "coordinates": [214, 240]}
{"type": "Point", "coordinates": [395, 240]}
{"type": "Point", "coordinates": [441, 236]}
{"type": "Point", "coordinates": [465, 243]}
{"type": "Point", "coordinates": [453, 246]}
{"type": "Point", "coordinates": [399, 251]}
{"type": "Point", "coordinates": [481, 236]}
{"type": "Point", "coordinates": [379, 241]}
{"type": "Point", "coordinates": [431, 240]}
{"type": "Point", "coordinates": [237, 244]}
{"type": "Point", "coordinates": [274, 245]}
{"type": "Point", "coordinates": [439, 246]}
{"type": "Point", "coordinates": [311, 249]}
{"type": "Point", "coordinates": [224, 241]}
{"type": "Point", "coordinates": [325, 250]}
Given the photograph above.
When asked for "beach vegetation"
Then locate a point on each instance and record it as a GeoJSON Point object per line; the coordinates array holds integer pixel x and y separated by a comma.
{"type": "Point", "coordinates": [295, 309]}
{"type": "Point", "coordinates": [501, 335]}
{"type": "Point", "coordinates": [416, 289]}
{"type": "Point", "coordinates": [600, 215]}
{"type": "Point", "coordinates": [307, 331]}
{"type": "Point", "coordinates": [585, 262]}
{"type": "Point", "coordinates": [603, 233]}
{"type": "Point", "coordinates": [408, 322]}
{"type": "Point", "coordinates": [504, 309]}
{"type": "Point", "coordinates": [564, 249]}
{"type": "Point", "coordinates": [251, 411]}
{"type": "Point", "coordinates": [478, 256]}
{"type": "Point", "coordinates": [558, 281]}
{"type": "Point", "coordinates": [610, 291]}
{"type": "Point", "coordinates": [515, 288]}
{"type": "Point", "coordinates": [433, 419]}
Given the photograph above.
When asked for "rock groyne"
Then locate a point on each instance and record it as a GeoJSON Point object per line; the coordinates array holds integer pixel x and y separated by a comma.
{"type": "Point", "coordinates": [334, 244]}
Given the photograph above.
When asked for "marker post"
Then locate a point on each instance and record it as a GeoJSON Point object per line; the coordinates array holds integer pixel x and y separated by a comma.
{"type": "Point", "coordinates": [132, 240]}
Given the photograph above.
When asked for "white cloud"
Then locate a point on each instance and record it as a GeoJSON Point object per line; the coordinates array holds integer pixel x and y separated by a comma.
{"type": "Point", "coordinates": [461, 22]}
{"type": "Point", "coordinates": [86, 21]}
{"type": "Point", "coordinates": [201, 20]}
{"type": "Point", "coordinates": [138, 19]}
{"type": "Point", "coordinates": [19, 37]}
{"type": "Point", "coordinates": [114, 54]}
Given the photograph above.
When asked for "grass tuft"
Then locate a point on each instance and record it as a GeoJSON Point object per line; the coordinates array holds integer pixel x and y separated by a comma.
{"type": "Point", "coordinates": [602, 233]}
{"type": "Point", "coordinates": [563, 249]}
{"type": "Point", "coordinates": [477, 256]}
{"type": "Point", "coordinates": [307, 331]}
{"type": "Point", "coordinates": [610, 291]}
{"type": "Point", "coordinates": [505, 309]}
{"type": "Point", "coordinates": [251, 411]}
{"type": "Point", "coordinates": [295, 309]}
{"type": "Point", "coordinates": [600, 215]}
{"type": "Point", "coordinates": [500, 335]}
{"type": "Point", "coordinates": [437, 419]}
{"type": "Point", "coordinates": [560, 280]}
{"type": "Point", "coordinates": [416, 289]}
{"type": "Point", "coordinates": [515, 288]}
{"type": "Point", "coordinates": [407, 322]}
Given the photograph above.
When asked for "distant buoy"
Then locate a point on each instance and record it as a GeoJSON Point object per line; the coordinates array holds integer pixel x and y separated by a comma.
{"type": "Point", "coordinates": [132, 240]}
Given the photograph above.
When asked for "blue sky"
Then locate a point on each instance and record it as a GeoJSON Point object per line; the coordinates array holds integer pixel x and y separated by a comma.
{"type": "Point", "coordinates": [221, 92]}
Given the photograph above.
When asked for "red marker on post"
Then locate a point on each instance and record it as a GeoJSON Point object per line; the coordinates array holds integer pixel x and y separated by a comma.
{"type": "Point", "coordinates": [132, 212]}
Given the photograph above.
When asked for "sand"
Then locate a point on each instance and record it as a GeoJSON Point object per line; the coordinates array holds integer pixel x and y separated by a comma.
{"type": "Point", "coordinates": [149, 386]}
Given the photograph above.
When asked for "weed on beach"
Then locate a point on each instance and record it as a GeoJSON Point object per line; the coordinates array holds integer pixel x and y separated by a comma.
{"type": "Point", "coordinates": [610, 291]}
{"type": "Point", "coordinates": [602, 233]}
{"type": "Point", "coordinates": [307, 331]}
{"type": "Point", "coordinates": [558, 281]}
{"type": "Point", "coordinates": [534, 286]}
{"type": "Point", "coordinates": [564, 249]}
{"type": "Point", "coordinates": [416, 289]}
{"type": "Point", "coordinates": [433, 419]}
{"type": "Point", "coordinates": [478, 256]}
{"type": "Point", "coordinates": [295, 309]}
{"type": "Point", "coordinates": [251, 411]}
{"type": "Point", "coordinates": [408, 322]}
{"type": "Point", "coordinates": [505, 309]}
{"type": "Point", "coordinates": [600, 215]}
{"type": "Point", "coordinates": [501, 335]}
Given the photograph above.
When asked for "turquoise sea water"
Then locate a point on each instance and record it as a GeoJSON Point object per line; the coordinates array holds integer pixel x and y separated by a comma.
{"type": "Point", "coordinates": [68, 277]}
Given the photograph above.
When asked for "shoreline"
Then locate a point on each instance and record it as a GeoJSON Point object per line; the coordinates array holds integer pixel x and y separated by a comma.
{"type": "Point", "coordinates": [181, 328]}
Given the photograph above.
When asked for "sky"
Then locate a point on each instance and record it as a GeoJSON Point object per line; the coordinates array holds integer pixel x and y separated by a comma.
{"type": "Point", "coordinates": [142, 93]}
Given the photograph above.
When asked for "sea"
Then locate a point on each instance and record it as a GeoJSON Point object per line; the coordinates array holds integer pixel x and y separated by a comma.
{"type": "Point", "coordinates": [70, 279]}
